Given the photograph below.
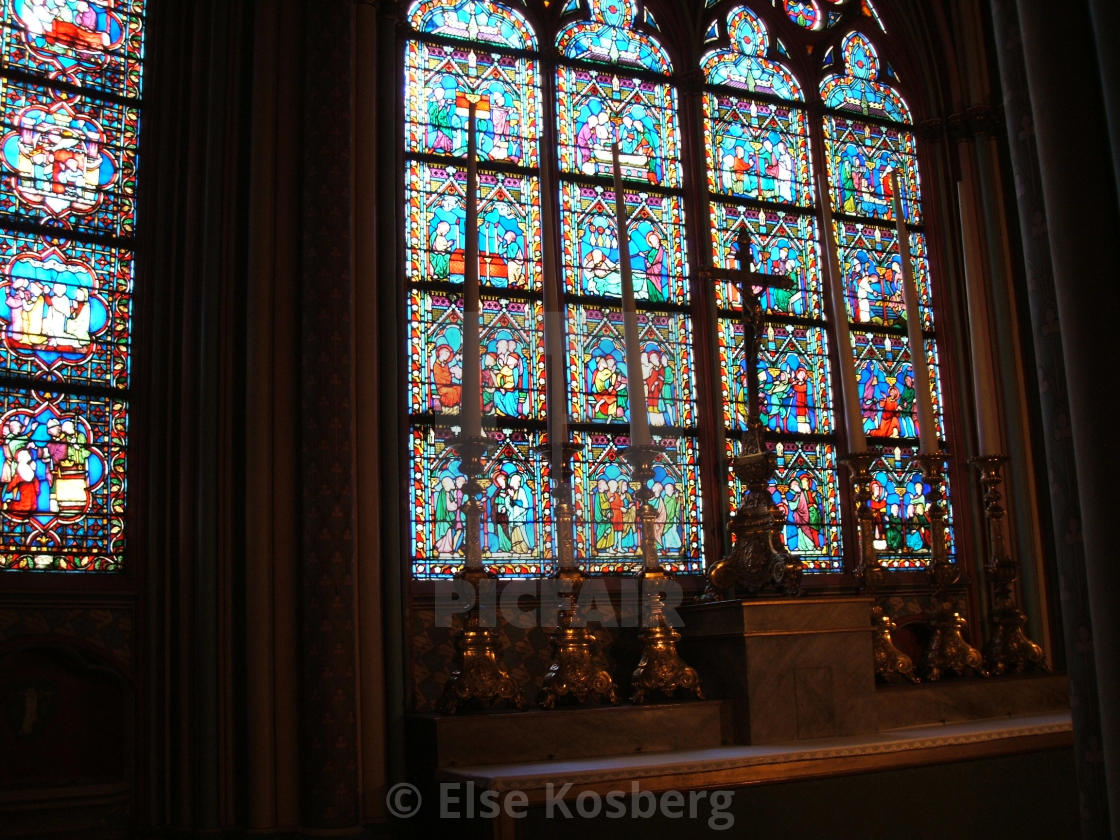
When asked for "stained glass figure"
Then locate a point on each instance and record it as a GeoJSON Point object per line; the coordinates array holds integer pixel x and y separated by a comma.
{"type": "Point", "coordinates": [608, 39]}
{"type": "Point", "coordinates": [509, 255]}
{"type": "Point", "coordinates": [900, 512]}
{"type": "Point", "coordinates": [516, 507]}
{"type": "Point", "coordinates": [64, 310]}
{"type": "Point", "coordinates": [94, 44]}
{"type": "Point", "coordinates": [512, 356]}
{"type": "Point", "coordinates": [759, 150]}
{"type": "Point", "coordinates": [860, 158]}
{"type": "Point", "coordinates": [507, 112]}
{"type": "Point", "coordinates": [606, 506]}
{"type": "Point", "coordinates": [885, 379]}
{"type": "Point", "coordinates": [805, 13]}
{"type": "Point", "coordinates": [744, 64]}
{"type": "Point", "coordinates": [655, 227]}
{"type": "Point", "coordinates": [860, 90]}
{"type": "Point", "coordinates": [598, 373]}
{"type": "Point", "coordinates": [872, 271]}
{"type": "Point", "coordinates": [795, 391]}
{"type": "Point", "coordinates": [62, 481]}
{"type": "Point", "coordinates": [804, 490]}
{"type": "Point", "coordinates": [781, 243]}
{"type": "Point", "coordinates": [66, 159]}
{"type": "Point", "coordinates": [596, 107]}
{"type": "Point", "coordinates": [473, 20]}
{"type": "Point", "coordinates": [69, 119]}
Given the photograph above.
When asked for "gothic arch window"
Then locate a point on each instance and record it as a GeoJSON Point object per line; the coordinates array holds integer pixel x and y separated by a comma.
{"type": "Point", "coordinates": [70, 85]}
{"type": "Point", "coordinates": [776, 127]}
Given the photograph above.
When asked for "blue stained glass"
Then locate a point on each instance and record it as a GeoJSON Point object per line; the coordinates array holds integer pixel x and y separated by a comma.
{"type": "Point", "coordinates": [859, 90]}
{"type": "Point", "coordinates": [570, 7]}
{"type": "Point", "coordinates": [608, 39]}
{"type": "Point", "coordinates": [712, 33]}
{"type": "Point", "coordinates": [473, 20]}
{"type": "Point", "coordinates": [744, 64]}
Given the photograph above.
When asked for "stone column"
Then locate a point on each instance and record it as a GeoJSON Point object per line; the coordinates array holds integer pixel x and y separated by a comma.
{"type": "Point", "coordinates": [1068, 215]}
{"type": "Point", "coordinates": [329, 749]}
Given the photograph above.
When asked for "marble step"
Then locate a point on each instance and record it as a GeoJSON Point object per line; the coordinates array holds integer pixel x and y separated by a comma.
{"type": "Point", "coordinates": [502, 737]}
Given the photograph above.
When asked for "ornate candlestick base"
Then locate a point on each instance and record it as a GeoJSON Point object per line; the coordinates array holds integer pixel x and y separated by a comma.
{"type": "Point", "coordinates": [478, 678]}
{"type": "Point", "coordinates": [948, 652]}
{"type": "Point", "coordinates": [891, 664]}
{"type": "Point", "coordinates": [758, 559]}
{"type": "Point", "coordinates": [661, 670]}
{"type": "Point", "coordinates": [575, 673]}
{"type": "Point", "coordinates": [1009, 650]}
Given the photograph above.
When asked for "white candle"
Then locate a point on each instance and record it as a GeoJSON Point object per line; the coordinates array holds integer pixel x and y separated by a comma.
{"type": "Point", "coordinates": [636, 384]}
{"type": "Point", "coordinates": [554, 344]}
{"type": "Point", "coordinates": [472, 361]}
{"type": "Point", "coordinates": [927, 431]}
{"type": "Point", "coordinates": [983, 379]}
{"type": "Point", "coordinates": [857, 440]}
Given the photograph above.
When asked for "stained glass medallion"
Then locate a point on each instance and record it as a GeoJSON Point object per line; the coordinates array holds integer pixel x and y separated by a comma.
{"type": "Point", "coordinates": [95, 44]}
{"type": "Point", "coordinates": [900, 508]}
{"type": "Point", "coordinates": [517, 530]}
{"type": "Point", "coordinates": [63, 479]}
{"type": "Point", "coordinates": [860, 158]}
{"type": "Point", "coordinates": [793, 378]}
{"type": "Point", "coordinates": [805, 13]}
{"type": "Point", "coordinates": [805, 492]}
{"type": "Point", "coordinates": [67, 160]}
{"type": "Point", "coordinates": [781, 243]}
{"type": "Point", "coordinates": [590, 252]}
{"type": "Point", "coordinates": [507, 111]}
{"type": "Point", "coordinates": [872, 269]}
{"type": "Point", "coordinates": [598, 374]}
{"type": "Point", "coordinates": [885, 380]}
{"type": "Point", "coordinates": [509, 253]}
{"type": "Point", "coordinates": [596, 107]}
{"type": "Point", "coordinates": [758, 150]}
{"type": "Point", "coordinates": [606, 506]}
{"type": "Point", "coordinates": [64, 310]}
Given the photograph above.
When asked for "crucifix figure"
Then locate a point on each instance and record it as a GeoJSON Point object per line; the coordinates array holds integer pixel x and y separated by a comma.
{"type": "Point", "coordinates": [758, 557]}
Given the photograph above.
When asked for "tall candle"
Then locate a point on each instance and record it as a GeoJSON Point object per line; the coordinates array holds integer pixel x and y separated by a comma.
{"type": "Point", "coordinates": [857, 440]}
{"type": "Point", "coordinates": [472, 356]}
{"type": "Point", "coordinates": [927, 431]}
{"type": "Point", "coordinates": [983, 379]}
{"type": "Point", "coordinates": [554, 344]}
{"type": "Point", "coordinates": [636, 384]}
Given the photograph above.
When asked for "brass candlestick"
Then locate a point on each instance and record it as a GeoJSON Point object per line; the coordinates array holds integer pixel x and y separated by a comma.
{"type": "Point", "coordinates": [478, 678]}
{"type": "Point", "coordinates": [1009, 650]}
{"type": "Point", "coordinates": [575, 673]}
{"type": "Point", "coordinates": [660, 671]}
{"type": "Point", "coordinates": [758, 558]}
{"type": "Point", "coordinates": [948, 652]}
{"type": "Point", "coordinates": [891, 664]}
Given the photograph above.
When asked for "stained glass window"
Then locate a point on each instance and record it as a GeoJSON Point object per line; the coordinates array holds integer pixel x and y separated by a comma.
{"type": "Point", "coordinates": [867, 137]}
{"type": "Point", "coordinates": [613, 85]}
{"type": "Point", "coordinates": [546, 159]}
{"type": "Point", "coordinates": [70, 86]}
{"type": "Point", "coordinates": [760, 179]}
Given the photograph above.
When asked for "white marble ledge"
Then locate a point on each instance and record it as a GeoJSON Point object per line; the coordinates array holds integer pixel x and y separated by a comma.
{"type": "Point", "coordinates": [722, 761]}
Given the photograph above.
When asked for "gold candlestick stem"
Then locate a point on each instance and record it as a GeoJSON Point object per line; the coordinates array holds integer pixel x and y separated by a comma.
{"type": "Point", "coordinates": [575, 673]}
{"type": "Point", "coordinates": [891, 664]}
{"type": "Point", "coordinates": [1009, 650]}
{"type": "Point", "coordinates": [478, 678]}
{"type": "Point", "coordinates": [661, 671]}
{"type": "Point", "coordinates": [948, 652]}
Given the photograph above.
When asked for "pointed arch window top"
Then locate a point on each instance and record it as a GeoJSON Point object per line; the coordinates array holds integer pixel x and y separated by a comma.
{"type": "Point", "coordinates": [744, 64]}
{"type": "Point", "coordinates": [473, 20]}
{"type": "Point", "coordinates": [609, 38]}
{"type": "Point", "coordinates": [860, 90]}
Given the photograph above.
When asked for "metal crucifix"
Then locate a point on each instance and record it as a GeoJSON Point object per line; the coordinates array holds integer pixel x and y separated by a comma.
{"type": "Point", "coordinates": [758, 556]}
